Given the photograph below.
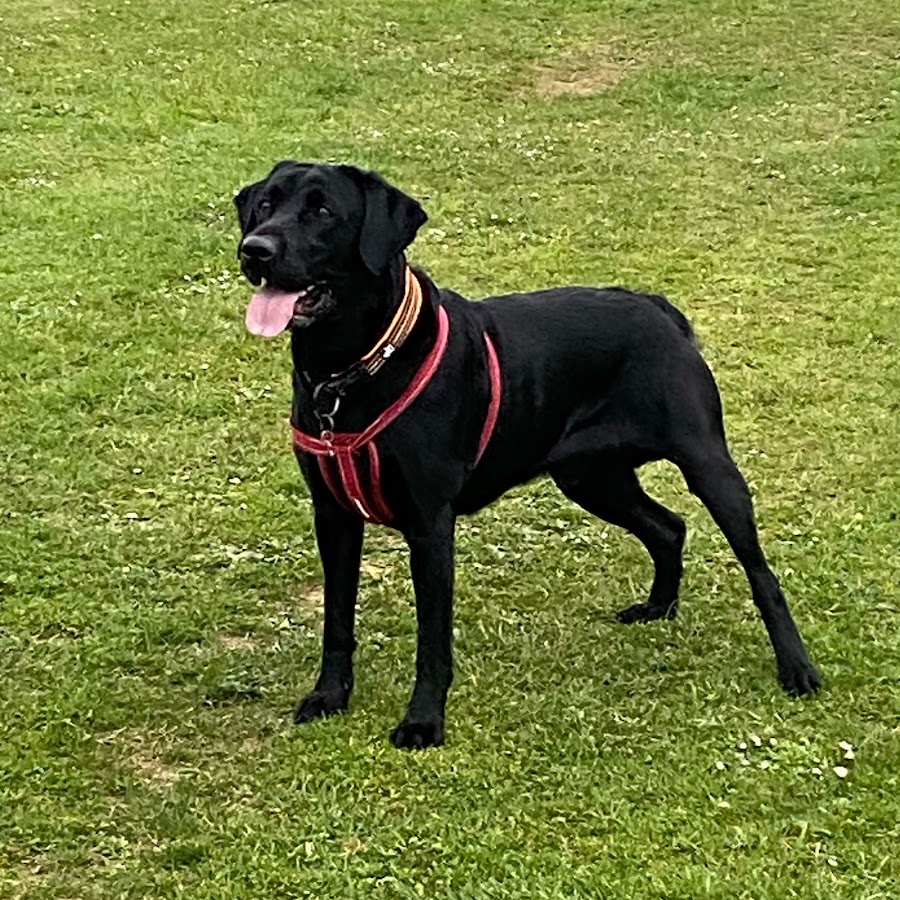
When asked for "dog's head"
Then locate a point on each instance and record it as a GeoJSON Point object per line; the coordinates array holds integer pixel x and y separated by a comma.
{"type": "Point", "coordinates": [315, 233]}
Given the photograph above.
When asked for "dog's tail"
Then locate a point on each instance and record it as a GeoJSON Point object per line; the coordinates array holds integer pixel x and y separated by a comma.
{"type": "Point", "coordinates": [676, 315]}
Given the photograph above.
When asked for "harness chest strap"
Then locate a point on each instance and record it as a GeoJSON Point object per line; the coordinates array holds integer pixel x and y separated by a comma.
{"type": "Point", "coordinates": [339, 453]}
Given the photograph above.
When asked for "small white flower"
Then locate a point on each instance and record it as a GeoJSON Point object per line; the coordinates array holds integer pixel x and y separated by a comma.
{"type": "Point", "coordinates": [841, 771]}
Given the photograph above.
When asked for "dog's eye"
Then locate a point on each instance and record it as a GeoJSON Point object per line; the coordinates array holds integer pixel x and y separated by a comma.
{"type": "Point", "coordinates": [323, 212]}
{"type": "Point", "coordinates": [265, 208]}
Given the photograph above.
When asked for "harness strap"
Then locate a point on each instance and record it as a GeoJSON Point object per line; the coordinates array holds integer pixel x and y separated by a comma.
{"type": "Point", "coordinates": [342, 477]}
{"type": "Point", "coordinates": [339, 453]}
{"type": "Point", "coordinates": [381, 507]}
{"type": "Point", "coordinates": [330, 441]}
{"type": "Point", "coordinates": [417, 385]}
{"type": "Point", "coordinates": [496, 379]}
{"type": "Point", "coordinates": [328, 467]}
{"type": "Point", "coordinates": [350, 480]}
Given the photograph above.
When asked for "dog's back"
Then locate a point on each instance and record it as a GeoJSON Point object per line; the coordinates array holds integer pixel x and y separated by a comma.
{"type": "Point", "coordinates": [675, 314]}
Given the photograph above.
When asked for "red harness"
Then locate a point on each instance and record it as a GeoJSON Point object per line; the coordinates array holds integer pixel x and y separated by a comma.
{"type": "Point", "coordinates": [339, 453]}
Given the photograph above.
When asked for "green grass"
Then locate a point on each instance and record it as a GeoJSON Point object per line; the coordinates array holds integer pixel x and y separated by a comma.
{"type": "Point", "coordinates": [159, 585]}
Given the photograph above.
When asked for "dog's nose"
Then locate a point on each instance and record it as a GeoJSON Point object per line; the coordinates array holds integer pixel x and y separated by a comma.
{"type": "Point", "coordinates": [260, 247]}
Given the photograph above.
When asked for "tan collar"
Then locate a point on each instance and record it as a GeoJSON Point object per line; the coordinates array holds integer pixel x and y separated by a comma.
{"type": "Point", "coordinates": [327, 394]}
{"type": "Point", "coordinates": [398, 331]}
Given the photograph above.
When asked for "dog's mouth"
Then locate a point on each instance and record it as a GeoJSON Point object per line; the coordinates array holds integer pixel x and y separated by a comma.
{"type": "Point", "coordinates": [274, 309]}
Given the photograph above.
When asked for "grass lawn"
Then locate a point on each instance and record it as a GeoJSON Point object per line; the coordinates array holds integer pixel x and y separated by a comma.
{"type": "Point", "coordinates": [159, 585]}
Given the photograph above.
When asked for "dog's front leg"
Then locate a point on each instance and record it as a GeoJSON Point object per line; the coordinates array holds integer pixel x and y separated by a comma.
{"type": "Point", "coordinates": [339, 535]}
{"type": "Point", "coordinates": [431, 562]}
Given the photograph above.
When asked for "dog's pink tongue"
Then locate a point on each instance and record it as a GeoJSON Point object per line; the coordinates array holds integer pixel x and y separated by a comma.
{"type": "Point", "coordinates": [270, 311]}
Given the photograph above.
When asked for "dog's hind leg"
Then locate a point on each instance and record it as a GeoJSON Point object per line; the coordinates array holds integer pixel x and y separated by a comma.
{"type": "Point", "coordinates": [610, 489]}
{"type": "Point", "coordinates": [712, 475]}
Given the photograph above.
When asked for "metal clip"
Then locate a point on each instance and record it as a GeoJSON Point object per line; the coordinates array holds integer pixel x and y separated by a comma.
{"type": "Point", "coordinates": [326, 419]}
{"type": "Point", "coordinates": [328, 436]}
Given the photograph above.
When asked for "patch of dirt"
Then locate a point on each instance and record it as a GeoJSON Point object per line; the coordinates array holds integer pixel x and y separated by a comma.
{"type": "Point", "coordinates": [153, 771]}
{"type": "Point", "coordinates": [582, 72]}
{"type": "Point", "coordinates": [239, 642]}
{"type": "Point", "coordinates": [302, 608]}
{"type": "Point", "coordinates": [23, 877]}
{"type": "Point", "coordinates": [352, 846]}
{"type": "Point", "coordinates": [251, 744]}
{"type": "Point", "coordinates": [313, 599]}
{"type": "Point", "coordinates": [140, 753]}
{"type": "Point", "coordinates": [373, 569]}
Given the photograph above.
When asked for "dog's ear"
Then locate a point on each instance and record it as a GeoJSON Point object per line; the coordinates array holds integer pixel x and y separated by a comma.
{"type": "Point", "coordinates": [245, 202]}
{"type": "Point", "coordinates": [391, 221]}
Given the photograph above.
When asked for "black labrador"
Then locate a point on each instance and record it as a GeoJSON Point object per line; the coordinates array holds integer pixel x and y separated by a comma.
{"type": "Point", "coordinates": [595, 383]}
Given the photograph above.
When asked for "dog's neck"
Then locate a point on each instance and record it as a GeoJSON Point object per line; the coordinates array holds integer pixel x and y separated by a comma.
{"type": "Point", "coordinates": [362, 313]}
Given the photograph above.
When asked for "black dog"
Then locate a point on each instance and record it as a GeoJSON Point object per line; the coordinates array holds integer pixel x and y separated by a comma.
{"type": "Point", "coordinates": [583, 383]}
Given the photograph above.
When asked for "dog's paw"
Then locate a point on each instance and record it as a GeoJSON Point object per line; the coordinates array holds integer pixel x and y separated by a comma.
{"type": "Point", "coordinates": [800, 679]}
{"type": "Point", "coordinates": [318, 703]}
{"type": "Point", "coordinates": [418, 735]}
{"type": "Point", "coordinates": [647, 612]}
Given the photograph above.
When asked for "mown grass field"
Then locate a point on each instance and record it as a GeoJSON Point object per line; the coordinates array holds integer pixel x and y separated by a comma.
{"type": "Point", "coordinates": [159, 586]}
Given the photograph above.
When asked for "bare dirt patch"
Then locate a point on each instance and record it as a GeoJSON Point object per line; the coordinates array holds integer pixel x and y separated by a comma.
{"type": "Point", "coordinates": [24, 878]}
{"type": "Point", "coordinates": [152, 771]}
{"type": "Point", "coordinates": [251, 744]}
{"type": "Point", "coordinates": [374, 569]}
{"type": "Point", "coordinates": [313, 599]}
{"type": "Point", "coordinates": [239, 642]}
{"type": "Point", "coordinates": [582, 72]}
{"type": "Point", "coordinates": [144, 757]}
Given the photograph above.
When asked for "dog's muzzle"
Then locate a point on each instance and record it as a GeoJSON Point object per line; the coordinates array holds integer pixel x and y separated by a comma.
{"type": "Point", "coordinates": [259, 247]}
{"type": "Point", "coordinates": [256, 252]}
